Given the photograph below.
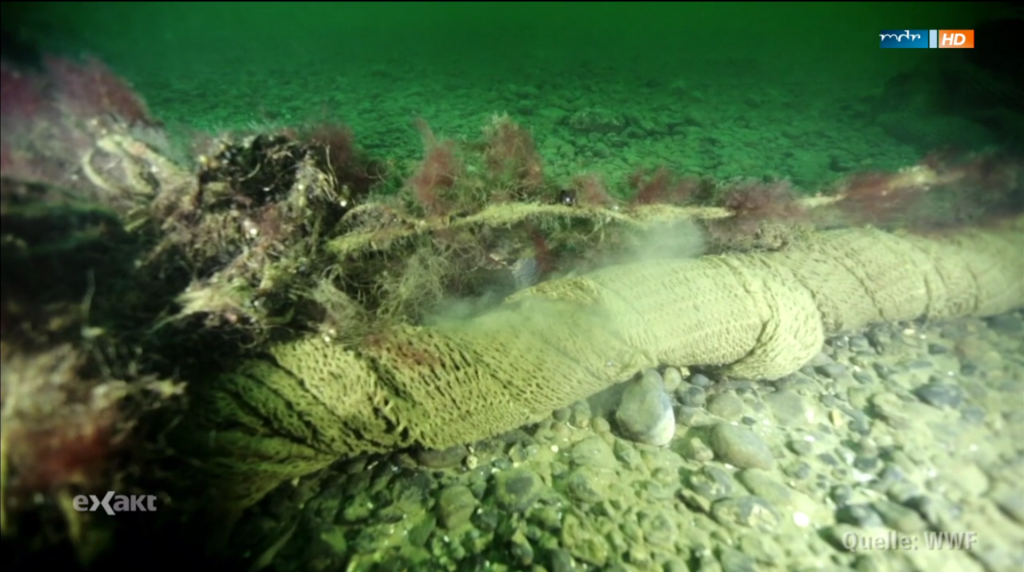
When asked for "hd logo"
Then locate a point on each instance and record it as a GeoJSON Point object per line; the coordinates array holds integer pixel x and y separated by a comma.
{"type": "Point", "coordinates": [926, 39]}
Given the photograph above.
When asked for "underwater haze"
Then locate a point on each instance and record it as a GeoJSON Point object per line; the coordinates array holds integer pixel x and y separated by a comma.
{"type": "Point", "coordinates": [512, 286]}
{"type": "Point", "coordinates": [788, 87]}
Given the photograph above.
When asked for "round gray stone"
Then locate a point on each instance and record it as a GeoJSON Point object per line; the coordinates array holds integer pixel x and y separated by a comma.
{"type": "Point", "coordinates": [645, 414]}
{"type": "Point", "coordinates": [517, 489]}
{"type": "Point", "coordinates": [740, 447]}
{"type": "Point", "coordinates": [455, 506]}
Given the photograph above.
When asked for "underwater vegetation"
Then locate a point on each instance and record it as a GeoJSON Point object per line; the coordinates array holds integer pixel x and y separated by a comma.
{"type": "Point", "coordinates": [131, 280]}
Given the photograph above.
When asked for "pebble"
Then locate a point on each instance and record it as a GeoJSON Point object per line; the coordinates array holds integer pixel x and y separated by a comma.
{"type": "Point", "coordinates": [1010, 324]}
{"type": "Point", "coordinates": [546, 517]}
{"type": "Point", "coordinates": [727, 406]}
{"type": "Point", "coordinates": [837, 344]}
{"type": "Point", "coordinates": [687, 415]}
{"type": "Point", "coordinates": [849, 446]}
{"type": "Point", "coordinates": [700, 380]}
{"type": "Point", "coordinates": [735, 561]}
{"type": "Point", "coordinates": [691, 395]}
{"type": "Point", "coordinates": [800, 446]}
{"type": "Point", "coordinates": [979, 352]}
{"type": "Point", "coordinates": [672, 379]}
{"type": "Point", "coordinates": [582, 485]}
{"type": "Point", "coordinates": [1010, 500]}
{"type": "Point", "coordinates": [442, 459]}
{"type": "Point", "coordinates": [940, 395]}
{"type": "Point", "coordinates": [859, 515]}
{"type": "Point", "coordinates": [863, 377]}
{"type": "Point", "coordinates": [919, 364]}
{"type": "Point", "coordinates": [582, 542]}
{"type": "Point", "coordinates": [841, 494]}
{"type": "Point", "coordinates": [891, 409]}
{"type": "Point", "coordinates": [831, 371]}
{"type": "Point", "coordinates": [891, 474]}
{"type": "Point", "coordinates": [902, 492]}
{"type": "Point", "coordinates": [788, 408]}
{"type": "Point", "coordinates": [750, 511]}
{"type": "Point", "coordinates": [762, 548]}
{"type": "Point", "coordinates": [695, 448]}
{"type": "Point", "coordinates": [828, 459]}
{"type": "Point", "coordinates": [455, 506]}
{"type": "Point", "coordinates": [861, 345]}
{"type": "Point", "coordinates": [520, 453]}
{"type": "Point", "coordinates": [658, 528]}
{"type": "Point", "coordinates": [937, 349]}
{"type": "Point", "coordinates": [645, 413]}
{"type": "Point", "coordinates": [899, 517]}
{"type": "Point", "coordinates": [934, 512]}
{"type": "Point", "coordinates": [866, 464]}
{"type": "Point", "coordinates": [712, 483]}
{"type": "Point", "coordinates": [882, 370]}
{"type": "Point", "coordinates": [594, 452]}
{"type": "Point", "coordinates": [761, 484]}
{"type": "Point", "coordinates": [517, 489]}
{"type": "Point", "coordinates": [627, 454]}
{"type": "Point", "coordinates": [822, 359]}
{"type": "Point", "coordinates": [740, 447]}
{"type": "Point", "coordinates": [521, 549]}
{"type": "Point", "coordinates": [859, 421]}
{"type": "Point", "coordinates": [799, 471]}
{"type": "Point", "coordinates": [581, 414]}
{"type": "Point", "coordinates": [561, 561]}
{"type": "Point", "coordinates": [796, 382]}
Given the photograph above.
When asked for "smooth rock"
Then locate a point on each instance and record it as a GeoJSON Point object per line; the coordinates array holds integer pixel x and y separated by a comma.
{"type": "Point", "coordinates": [735, 561]}
{"type": "Point", "coordinates": [740, 447]}
{"type": "Point", "coordinates": [859, 515]}
{"type": "Point", "coordinates": [789, 408]}
{"type": "Point", "coordinates": [442, 459]}
{"type": "Point", "coordinates": [940, 395]}
{"type": "Point", "coordinates": [645, 414]}
{"type": "Point", "coordinates": [700, 380]}
{"type": "Point", "coordinates": [727, 406]}
{"type": "Point", "coordinates": [672, 379]}
{"type": "Point", "coordinates": [831, 371]}
{"type": "Point", "coordinates": [691, 395]}
{"type": "Point", "coordinates": [712, 483]}
{"type": "Point", "coordinates": [517, 489]}
{"type": "Point", "coordinates": [1010, 324]}
{"type": "Point", "coordinates": [455, 506]}
{"type": "Point", "coordinates": [899, 517]}
{"type": "Point", "coordinates": [583, 485]}
{"type": "Point", "coordinates": [751, 511]}
{"type": "Point", "coordinates": [594, 452]}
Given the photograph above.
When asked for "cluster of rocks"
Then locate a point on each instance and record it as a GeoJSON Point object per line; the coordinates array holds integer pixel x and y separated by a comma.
{"type": "Point", "coordinates": [900, 432]}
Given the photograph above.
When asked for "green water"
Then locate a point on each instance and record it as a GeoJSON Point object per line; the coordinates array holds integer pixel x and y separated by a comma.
{"type": "Point", "coordinates": [792, 91]}
{"type": "Point", "coordinates": [721, 89]}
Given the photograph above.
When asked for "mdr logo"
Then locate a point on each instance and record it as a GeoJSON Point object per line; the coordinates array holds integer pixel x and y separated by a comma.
{"type": "Point", "coordinates": [926, 39]}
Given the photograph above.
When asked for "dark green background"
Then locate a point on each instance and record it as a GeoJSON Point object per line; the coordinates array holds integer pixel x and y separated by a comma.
{"type": "Point", "coordinates": [721, 89]}
{"type": "Point", "coordinates": [492, 33]}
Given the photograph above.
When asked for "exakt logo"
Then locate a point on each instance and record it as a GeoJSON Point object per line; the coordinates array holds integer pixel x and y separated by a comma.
{"type": "Point", "coordinates": [926, 39]}
{"type": "Point", "coordinates": [121, 503]}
